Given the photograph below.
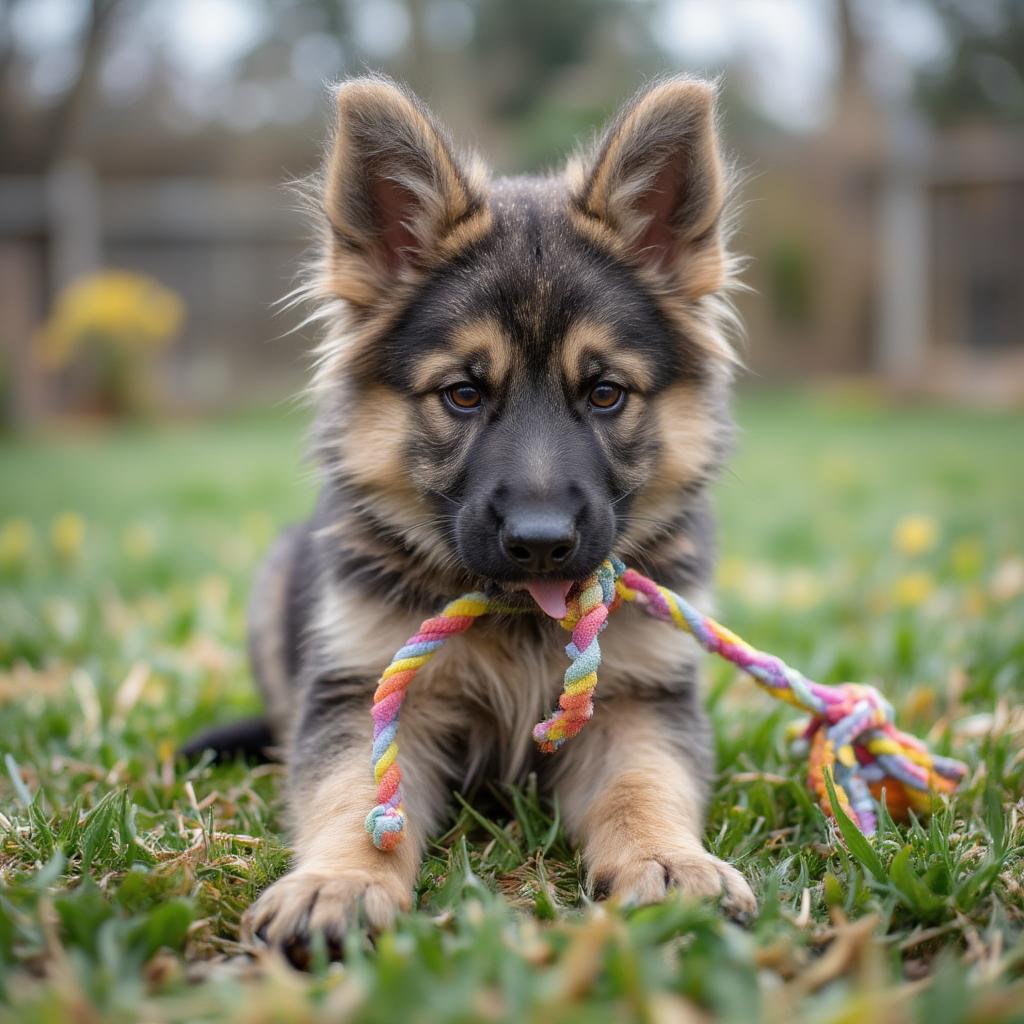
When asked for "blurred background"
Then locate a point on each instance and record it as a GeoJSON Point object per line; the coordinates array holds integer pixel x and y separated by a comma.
{"type": "Point", "coordinates": [144, 232]}
{"type": "Point", "coordinates": [870, 522]}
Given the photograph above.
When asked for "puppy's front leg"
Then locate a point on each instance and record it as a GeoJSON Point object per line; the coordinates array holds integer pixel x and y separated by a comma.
{"type": "Point", "coordinates": [631, 790]}
{"type": "Point", "coordinates": [339, 878]}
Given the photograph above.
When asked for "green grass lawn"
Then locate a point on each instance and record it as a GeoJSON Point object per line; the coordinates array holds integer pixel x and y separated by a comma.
{"type": "Point", "coordinates": [858, 541]}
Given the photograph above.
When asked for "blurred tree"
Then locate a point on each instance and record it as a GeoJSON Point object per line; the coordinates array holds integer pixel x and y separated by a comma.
{"type": "Point", "coordinates": [59, 129]}
{"type": "Point", "coordinates": [69, 113]}
{"type": "Point", "coordinates": [530, 42]}
{"type": "Point", "coordinates": [983, 79]}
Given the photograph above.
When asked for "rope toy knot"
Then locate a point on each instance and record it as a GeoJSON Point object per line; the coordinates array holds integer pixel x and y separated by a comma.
{"type": "Point", "coordinates": [386, 825]}
{"type": "Point", "coordinates": [850, 731]}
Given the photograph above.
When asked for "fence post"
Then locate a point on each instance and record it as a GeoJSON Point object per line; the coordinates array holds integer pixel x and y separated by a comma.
{"type": "Point", "coordinates": [75, 231]}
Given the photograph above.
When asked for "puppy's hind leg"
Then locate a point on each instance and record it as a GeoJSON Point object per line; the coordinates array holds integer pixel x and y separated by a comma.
{"type": "Point", "coordinates": [250, 738]}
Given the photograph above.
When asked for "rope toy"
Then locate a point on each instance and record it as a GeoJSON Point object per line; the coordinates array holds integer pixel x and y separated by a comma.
{"type": "Point", "coordinates": [850, 732]}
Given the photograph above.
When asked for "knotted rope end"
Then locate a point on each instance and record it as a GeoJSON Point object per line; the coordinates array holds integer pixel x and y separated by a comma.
{"type": "Point", "coordinates": [386, 826]}
{"type": "Point", "coordinates": [854, 738]}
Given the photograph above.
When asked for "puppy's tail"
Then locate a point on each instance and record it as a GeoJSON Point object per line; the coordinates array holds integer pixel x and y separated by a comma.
{"type": "Point", "coordinates": [250, 738]}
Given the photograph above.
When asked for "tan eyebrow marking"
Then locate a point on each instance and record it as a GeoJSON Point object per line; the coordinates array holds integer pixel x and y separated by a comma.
{"type": "Point", "coordinates": [482, 341]}
{"type": "Point", "coordinates": [589, 340]}
{"type": "Point", "coordinates": [486, 337]}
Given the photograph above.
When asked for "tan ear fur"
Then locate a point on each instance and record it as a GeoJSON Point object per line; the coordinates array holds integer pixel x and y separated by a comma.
{"type": "Point", "coordinates": [656, 186]}
{"type": "Point", "coordinates": [394, 189]}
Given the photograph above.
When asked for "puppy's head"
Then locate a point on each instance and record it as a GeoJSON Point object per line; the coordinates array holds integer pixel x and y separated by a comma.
{"type": "Point", "coordinates": [520, 376]}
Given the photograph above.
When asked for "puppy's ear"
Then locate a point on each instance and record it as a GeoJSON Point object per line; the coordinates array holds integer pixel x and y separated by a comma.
{"type": "Point", "coordinates": [656, 181]}
{"type": "Point", "coordinates": [394, 188]}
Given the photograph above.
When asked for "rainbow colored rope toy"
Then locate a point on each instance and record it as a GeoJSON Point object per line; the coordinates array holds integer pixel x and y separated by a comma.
{"type": "Point", "coordinates": [850, 731]}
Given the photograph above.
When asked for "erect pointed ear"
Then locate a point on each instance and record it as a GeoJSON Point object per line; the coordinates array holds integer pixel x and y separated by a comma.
{"type": "Point", "coordinates": [656, 182]}
{"type": "Point", "coordinates": [394, 188]}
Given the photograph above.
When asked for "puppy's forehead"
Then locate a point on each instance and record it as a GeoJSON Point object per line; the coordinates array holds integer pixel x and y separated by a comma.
{"type": "Point", "coordinates": [532, 295]}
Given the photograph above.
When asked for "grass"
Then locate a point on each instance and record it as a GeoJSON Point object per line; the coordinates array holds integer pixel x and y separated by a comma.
{"type": "Point", "coordinates": [858, 542]}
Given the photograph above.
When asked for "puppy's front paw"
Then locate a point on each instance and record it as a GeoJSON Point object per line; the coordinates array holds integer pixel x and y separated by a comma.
{"type": "Point", "coordinates": [696, 874]}
{"type": "Point", "coordinates": [307, 901]}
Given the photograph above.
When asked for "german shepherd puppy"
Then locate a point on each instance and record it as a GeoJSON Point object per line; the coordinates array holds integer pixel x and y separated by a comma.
{"type": "Point", "coordinates": [518, 376]}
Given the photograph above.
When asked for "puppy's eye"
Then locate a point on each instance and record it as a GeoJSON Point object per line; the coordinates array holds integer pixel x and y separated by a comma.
{"type": "Point", "coordinates": [606, 396]}
{"type": "Point", "coordinates": [463, 397]}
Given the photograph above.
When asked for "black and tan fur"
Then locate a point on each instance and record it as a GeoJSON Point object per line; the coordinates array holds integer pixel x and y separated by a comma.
{"type": "Point", "coordinates": [432, 273]}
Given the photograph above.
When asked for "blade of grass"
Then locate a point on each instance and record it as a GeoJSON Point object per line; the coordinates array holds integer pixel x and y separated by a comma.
{"type": "Point", "coordinates": [856, 842]}
{"type": "Point", "coordinates": [20, 789]}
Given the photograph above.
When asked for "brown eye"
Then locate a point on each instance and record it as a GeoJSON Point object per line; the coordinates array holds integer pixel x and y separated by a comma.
{"type": "Point", "coordinates": [463, 397]}
{"type": "Point", "coordinates": [606, 397]}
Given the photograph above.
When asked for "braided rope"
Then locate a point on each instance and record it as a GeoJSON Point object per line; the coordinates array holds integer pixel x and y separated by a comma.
{"type": "Point", "coordinates": [850, 732]}
{"type": "Point", "coordinates": [386, 822]}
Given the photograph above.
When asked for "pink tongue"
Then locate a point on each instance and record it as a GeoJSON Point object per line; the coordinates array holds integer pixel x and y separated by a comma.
{"type": "Point", "coordinates": [550, 595]}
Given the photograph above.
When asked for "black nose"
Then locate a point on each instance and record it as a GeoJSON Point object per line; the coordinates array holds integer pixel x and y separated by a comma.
{"type": "Point", "coordinates": [539, 541]}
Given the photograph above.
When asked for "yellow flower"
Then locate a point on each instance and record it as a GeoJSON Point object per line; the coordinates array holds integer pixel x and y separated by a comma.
{"type": "Point", "coordinates": [258, 527]}
{"type": "Point", "coordinates": [801, 590]}
{"type": "Point", "coordinates": [966, 557]}
{"type": "Point", "coordinates": [914, 535]}
{"type": "Point", "coordinates": [16, 536]}
{"type": "Point", "coordinates": [138, 541]}
{"type": "Point", "coordinates": [838, 472]}
{"type": "Point", "coordinates": [67, 534]}
{"type": "Point", "coordinates": [731, 573]}
{"type": "Point", "coordinates": [115, 308]}
{"type": "Point", "coordinates": [913, 589]}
